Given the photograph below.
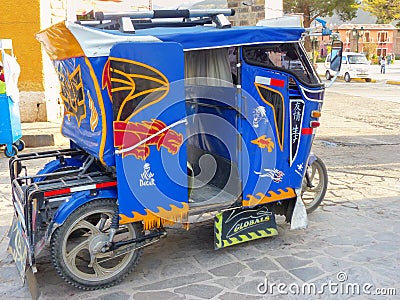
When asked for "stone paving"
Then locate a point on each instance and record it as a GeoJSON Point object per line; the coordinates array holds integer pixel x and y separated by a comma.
{"type": "Point", "coordinates": [353, 239]}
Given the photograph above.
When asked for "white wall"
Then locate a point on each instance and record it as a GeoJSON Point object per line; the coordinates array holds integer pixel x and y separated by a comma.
{"type": "Point", "coordinates": [273, 8]}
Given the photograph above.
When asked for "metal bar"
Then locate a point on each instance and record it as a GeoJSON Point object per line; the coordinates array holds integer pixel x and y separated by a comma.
{"type": "Point", "coordinates": [137, 240]}
{"type": "Point", "coordinates": [156, 14]}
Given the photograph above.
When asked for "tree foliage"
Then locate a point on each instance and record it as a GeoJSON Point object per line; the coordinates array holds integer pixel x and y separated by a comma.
{"type": "Point", "coordinates": [312, 9]}
{"type": "Point", "coordinates": [385, 10]}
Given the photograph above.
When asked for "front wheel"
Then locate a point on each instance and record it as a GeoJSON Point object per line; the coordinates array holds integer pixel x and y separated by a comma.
{"type": "Point", "coordinates": [347, 77]}
{"type": "Point", "coordinates": [328, 75]}
{"type": "Point", "coordinates": [315, 184]}
{"type": "Point", "coordinates": [78, 258]}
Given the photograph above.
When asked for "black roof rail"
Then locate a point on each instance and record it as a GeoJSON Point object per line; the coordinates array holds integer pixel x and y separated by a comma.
{"type": "Point", "coordinates": [156, 14]}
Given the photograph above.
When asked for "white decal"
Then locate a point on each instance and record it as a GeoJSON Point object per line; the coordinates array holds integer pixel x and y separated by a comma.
{"type": "Point", "coordinates": [147, 177]}
{"type": "Point", "coordinates": [274, 174]}
{"type": "Point", "coordinates": [299, 169]}
{"type": "Point", "coordinates": [259, 115]}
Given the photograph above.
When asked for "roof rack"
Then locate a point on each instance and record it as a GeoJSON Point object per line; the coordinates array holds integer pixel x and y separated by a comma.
{"type": "Point", "coordinates": [128, 21]}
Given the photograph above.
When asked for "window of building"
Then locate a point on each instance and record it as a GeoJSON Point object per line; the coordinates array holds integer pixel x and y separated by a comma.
{"type": "Point", "coordinates": [367, 37]}
{"type": "Point", "coordinates": [382, 36]}
{"type": "Point", "coordinates": [348, 36]}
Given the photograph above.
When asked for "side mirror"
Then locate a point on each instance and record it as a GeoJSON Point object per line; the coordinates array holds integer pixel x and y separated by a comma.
{"type": "Point", "coordinates": [336, 55]}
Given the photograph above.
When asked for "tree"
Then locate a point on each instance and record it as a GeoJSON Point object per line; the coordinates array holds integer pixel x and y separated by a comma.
{"type": "Point", "coordinates": [386, 11]}
{"type": "Point", "coordinates": [312, 9]}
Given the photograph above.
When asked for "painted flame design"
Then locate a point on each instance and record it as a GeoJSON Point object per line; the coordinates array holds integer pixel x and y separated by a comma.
{"type": "Point", "coordinates": [272, 196]}
{"type": "Point", "coordinates": [127, 134]}
{"type": "Point", "coordinates": [163, 217]}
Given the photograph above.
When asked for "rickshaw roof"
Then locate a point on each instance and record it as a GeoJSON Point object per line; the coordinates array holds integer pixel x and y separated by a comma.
{"type": "Point", "coordinates": [66, 39]}
{"type": "Point", "coordinates": [200, 37]}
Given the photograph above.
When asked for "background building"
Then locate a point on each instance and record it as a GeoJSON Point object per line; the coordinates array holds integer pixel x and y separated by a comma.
{"type": "Point", "coordinates": [378, 39]}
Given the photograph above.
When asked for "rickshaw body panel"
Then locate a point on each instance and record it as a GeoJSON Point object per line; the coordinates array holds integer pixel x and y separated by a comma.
{"type": "Point", "coordinates": [148, 97]}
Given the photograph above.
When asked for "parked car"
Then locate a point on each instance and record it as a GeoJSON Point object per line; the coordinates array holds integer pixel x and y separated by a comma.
{"type": "Point", "coordinates": [354, 65]}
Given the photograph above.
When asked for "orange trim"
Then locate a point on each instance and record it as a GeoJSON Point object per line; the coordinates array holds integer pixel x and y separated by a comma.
{"type": "Point", "coordinates": [272, 197]}
{"type": "Point", "coordinates": [281, 136]}
{"type": "Point", "coordinates": [162, 217]}
{"type": "Point", "coordinates": [59, 42]}
{"type": "Point", "coordinates": [130, 82]}
{"type": "Point", "coordinates": [102, 110]}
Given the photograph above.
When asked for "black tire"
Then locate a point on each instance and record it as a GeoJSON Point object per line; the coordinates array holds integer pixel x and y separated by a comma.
{"type": "Point", "coordinates": [14, 151]}
{"type": "Point", "coordinates": [20, 144]}
{"type": "Point", "coordinates": [70, 252]}
{"type": "Point", "coordinates": [368, 79]}
{"type": "Point", "coordinates": [328, 75]}
{"type": "Point", "coordinates": [347, 77]}
{"type": "Point", "coordinates": [313, 193]}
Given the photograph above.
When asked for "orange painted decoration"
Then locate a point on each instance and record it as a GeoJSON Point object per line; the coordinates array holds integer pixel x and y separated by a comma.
{"type": "Point", "coordinates": [163, 217]}
{"type": "Point", "coordinates": [264, 143]}
{"type": "Point", "coordinates": [272, 196]}
{"type": "Point", "coordinates": [128, 134]}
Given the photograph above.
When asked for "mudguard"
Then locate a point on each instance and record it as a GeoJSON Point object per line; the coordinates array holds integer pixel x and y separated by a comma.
{"type": "Point", "coordinates": [76, 200]}
{"type": "Point", "coordinates": [239, 225]}
{"type": "Point", "coordinates": [56, 164]}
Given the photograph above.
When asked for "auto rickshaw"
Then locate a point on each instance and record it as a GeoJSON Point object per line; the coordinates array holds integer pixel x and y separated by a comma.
{"type": "Point", "coordinates": [173, 117]}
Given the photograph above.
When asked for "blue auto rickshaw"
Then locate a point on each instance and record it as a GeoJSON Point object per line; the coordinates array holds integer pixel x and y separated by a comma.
{"type": "Point", "coordinates": [173, 117]}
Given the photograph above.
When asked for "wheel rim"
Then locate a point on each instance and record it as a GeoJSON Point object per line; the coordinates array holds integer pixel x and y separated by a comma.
{"type": "Point", "coordinates": [76, 253]}
{"type": "Point", "coordinates": [311, 195]}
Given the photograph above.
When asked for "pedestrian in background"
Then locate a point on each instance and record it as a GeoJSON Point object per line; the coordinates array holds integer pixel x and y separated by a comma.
{"type": "Point", "coordinates": [389, 59]}
{"type": "Point", "coordinates": [383, 65]}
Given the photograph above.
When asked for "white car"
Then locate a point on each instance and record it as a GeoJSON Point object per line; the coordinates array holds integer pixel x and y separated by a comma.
{"type": "Point", "coordinates": [354, 65]}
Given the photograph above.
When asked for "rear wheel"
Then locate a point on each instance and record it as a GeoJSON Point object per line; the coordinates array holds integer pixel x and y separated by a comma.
{"type": "Point", "coordinates": [315, 184]}
{"type": "Point", "coordinates": [347, 77]}
{"type": "Point", "coordinates": [368, 79]}
{"type": "Point", "coordinates": [78, 258]}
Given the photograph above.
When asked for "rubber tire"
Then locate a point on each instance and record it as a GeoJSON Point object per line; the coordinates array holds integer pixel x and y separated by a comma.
{"type": "Point", "coordinates": [347, 77]}
{"type": "Point", "coordinates": [57, 241]}
{"type": "Point", "coordinates": [14, 151]}
{"type": "Point", "coordinates": [321, 168]}
{"type": "Point", "coordinates": [20, 144]}
{"type": "Point", "coordinates": [368, 79]}
{"type": "Point", "coordinates": [328, 75]}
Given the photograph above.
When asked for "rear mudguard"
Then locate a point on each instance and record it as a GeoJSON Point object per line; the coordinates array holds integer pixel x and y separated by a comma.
{"type": "Point", "coordinates": [56, 164]}
{"type": "Point", "coordinates": [76, 200]}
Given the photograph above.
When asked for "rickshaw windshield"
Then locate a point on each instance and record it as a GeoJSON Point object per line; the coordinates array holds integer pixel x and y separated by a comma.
{"type": "Point", "coordinates": [288, 57]}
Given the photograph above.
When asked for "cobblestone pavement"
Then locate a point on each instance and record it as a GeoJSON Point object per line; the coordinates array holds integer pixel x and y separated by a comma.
{"type": "Point", "coordinates": [353, 239]}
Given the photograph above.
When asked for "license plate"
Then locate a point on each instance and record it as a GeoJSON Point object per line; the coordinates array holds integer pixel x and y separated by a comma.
{"type": "Point", "coordinates": [18, 246]}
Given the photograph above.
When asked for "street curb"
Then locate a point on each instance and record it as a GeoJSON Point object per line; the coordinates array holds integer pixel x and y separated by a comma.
{"type": "Point", "coordinates": [44, 140]}
{"type": "Point", "coordinates": [352, 79]}
{"type": "Point", "coordinates": [394, 82]}
{"type": "Point", "coordinates": [42, 134]}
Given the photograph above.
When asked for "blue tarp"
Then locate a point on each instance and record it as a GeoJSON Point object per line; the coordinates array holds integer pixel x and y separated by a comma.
{"type": "Point", "coordinates": [210, 37]}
